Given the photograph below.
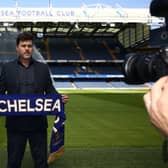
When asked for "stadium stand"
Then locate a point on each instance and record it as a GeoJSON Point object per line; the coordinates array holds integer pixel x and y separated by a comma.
{"type": "Point", "coordinates": [75, 59]}
{"type": "Point", "coordinates": [93, 49]}
{"type": "Point", "coordinates": [41, 45]}
{"type": "Point", "coordinates": [100, 62]}
{"type": "Point", "coordinates": [64, 84]}
{"type": "Point", "coordinates": [90, 84]}
{"type": "Point", "coordinates": [61, 69]}
{"type": "Point", "coordinates": [62, 49]}
{"type": "Point", "coordinates": [80, 48]}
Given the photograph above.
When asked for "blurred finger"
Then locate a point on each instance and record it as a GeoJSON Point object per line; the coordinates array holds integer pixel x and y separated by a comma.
{"type": "Point", "coordinates": [147, 101]}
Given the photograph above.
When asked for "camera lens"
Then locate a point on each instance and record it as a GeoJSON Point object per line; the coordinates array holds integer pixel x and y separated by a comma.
{"type": "Point", "coordinates": [139, 69]}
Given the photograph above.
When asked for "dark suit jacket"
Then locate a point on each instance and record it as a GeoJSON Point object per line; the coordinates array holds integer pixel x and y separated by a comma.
{"type": "Point", "coordinates": [9, 84]}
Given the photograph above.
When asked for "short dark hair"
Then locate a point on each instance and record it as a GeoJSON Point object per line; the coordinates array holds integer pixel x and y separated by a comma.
{"type": "Point", "coordinates": [24, 36]}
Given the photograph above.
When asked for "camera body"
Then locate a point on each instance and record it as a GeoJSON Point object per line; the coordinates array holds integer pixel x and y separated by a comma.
{"type": "Point", "coordinates": [139, 69]}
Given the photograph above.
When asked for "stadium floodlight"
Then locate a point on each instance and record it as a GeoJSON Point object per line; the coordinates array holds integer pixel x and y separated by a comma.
{"type": "Point", "coordinates": [104, 24]}
{"type": "Point", "coordinates": [6, 24]}
{"type": "Point", "coordinates": [112, 24]}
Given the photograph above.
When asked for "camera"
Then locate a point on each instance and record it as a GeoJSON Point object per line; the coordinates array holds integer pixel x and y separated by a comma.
{"type": "Point", "coordinates": [139, 69]}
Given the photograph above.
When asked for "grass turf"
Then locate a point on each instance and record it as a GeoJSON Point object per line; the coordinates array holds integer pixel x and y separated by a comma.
{"type": "Point", "coordinates": [101, 158]}
{"type": "Point", "coordinates": [108, 120]}
{"type": "Point", "coordinates": [104, 130]}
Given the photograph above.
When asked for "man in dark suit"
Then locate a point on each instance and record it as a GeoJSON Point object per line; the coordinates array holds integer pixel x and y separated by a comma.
{"type": "Point", "coordinates": [26, 76]}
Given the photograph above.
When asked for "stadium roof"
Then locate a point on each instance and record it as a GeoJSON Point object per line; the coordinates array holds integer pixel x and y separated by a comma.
{"type": "Point", "coordinates": [87, 20]}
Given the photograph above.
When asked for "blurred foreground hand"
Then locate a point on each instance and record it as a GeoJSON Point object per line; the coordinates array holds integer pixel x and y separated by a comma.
{"type": "Point", "coordinates": [156, 102]}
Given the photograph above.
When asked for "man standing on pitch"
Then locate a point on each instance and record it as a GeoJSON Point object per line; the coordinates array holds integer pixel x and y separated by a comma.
{"type": "Point", "coordinates": [26, 76]}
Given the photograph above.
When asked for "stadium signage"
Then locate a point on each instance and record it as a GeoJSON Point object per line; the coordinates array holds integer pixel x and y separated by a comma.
{"type": "Point", "coordinates": [31, 104]}
{"type": "Point", "coordinates": [83, 14]}
{"type": "Point", "coordinates": [35, 13]}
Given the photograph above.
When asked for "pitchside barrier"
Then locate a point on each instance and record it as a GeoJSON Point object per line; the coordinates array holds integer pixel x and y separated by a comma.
{"type": "Point", "coordinates": [17, 105]}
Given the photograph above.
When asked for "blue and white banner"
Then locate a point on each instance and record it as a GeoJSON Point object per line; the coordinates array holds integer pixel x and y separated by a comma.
{"type": "Point", "coordinates": [31, 105]}
{"type": "Point", "coordinates": [16, 105]}
{"type": "Point", "coordinates": [57, 140]}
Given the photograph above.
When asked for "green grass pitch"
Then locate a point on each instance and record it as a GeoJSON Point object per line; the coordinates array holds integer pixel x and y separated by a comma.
{"type": "Point", "coordinates": [104, 129]}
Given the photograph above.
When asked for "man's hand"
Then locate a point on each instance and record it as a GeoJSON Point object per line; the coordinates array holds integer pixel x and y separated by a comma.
{"type": "Point", "coordinates": [156, 102]}
{"type": "Point", "coordinates": [65, 98]}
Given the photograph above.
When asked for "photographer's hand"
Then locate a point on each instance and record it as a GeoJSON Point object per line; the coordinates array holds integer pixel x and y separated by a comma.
{"type": "Point", "coordinates": [156, 102]}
